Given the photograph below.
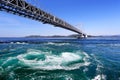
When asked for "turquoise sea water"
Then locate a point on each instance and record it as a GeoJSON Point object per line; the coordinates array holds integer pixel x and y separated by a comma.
{"type": "Point", "coordinates": [60, 59]}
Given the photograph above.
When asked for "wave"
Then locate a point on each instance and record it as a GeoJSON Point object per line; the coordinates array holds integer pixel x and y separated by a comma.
{"type": "Point", "coordinates": [57, 44]}
{"type": "Point", "coordinates": [99, 68]}
{"type": "Point", "coordinates": [99, 64]}
{"type": "Point", "coordinates": [18, 43]}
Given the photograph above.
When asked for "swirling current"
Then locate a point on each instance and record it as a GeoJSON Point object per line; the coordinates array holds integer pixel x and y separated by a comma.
{"type": "Point", "coordinates": [59, 59]}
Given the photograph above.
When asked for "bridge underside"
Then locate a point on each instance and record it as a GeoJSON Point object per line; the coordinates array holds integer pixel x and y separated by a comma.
{"type": "Point", "coordinates": [22, 8]}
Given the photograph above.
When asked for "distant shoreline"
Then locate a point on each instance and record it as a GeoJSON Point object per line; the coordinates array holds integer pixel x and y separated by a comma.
{"type": "Point", "coordinates": [60, 36]}
{"type": "Point", "coordinates": [69, 36]}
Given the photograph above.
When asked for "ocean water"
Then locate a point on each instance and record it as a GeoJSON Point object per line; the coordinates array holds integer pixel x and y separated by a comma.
{"type": "Point", "coordinates": [60, 59]}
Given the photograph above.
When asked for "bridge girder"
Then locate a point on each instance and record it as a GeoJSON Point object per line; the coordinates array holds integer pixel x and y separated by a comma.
{"type": "Point", "coordinates": [22, 8]}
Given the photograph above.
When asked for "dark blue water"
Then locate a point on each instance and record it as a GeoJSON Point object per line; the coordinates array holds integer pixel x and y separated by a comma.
{"type": "Point", "coordinates": [60, 59]}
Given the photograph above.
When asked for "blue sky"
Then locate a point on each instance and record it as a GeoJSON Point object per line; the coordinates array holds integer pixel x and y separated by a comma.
{"type": "Point", "coordinates": [95, 17]}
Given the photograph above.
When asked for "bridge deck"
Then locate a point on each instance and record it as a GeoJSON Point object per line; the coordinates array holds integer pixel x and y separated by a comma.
{"type": "Point", "coordinates": [22, 8]}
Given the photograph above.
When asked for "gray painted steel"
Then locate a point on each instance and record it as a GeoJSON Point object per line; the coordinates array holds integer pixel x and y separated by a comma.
{"type": "Point", "coordinates": [22, 8]}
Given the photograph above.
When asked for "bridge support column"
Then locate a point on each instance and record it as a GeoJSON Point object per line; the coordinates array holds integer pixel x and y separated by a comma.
{"type": "Point", "coordinates": [81, 36]}
{"type": "Point", "coordinates": [85, 35]}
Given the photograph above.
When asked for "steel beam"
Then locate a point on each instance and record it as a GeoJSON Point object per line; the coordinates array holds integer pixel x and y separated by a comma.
{"type": "Point", "coordinates": [22, 8]}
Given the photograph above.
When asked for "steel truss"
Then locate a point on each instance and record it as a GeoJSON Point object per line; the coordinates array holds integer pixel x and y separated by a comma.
{"type": "Point", "coordinates": [22, 8]}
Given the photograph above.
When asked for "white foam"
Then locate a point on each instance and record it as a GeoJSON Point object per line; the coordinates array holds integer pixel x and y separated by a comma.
{"type": "Point", "coordinates": [99, 67]}
{"type": "Point", "coordinates": [57, 44]}
{"type": "Point", "coordinates": [51, 43]}
{"type": "Point", "coordinates": [20, 43]}
{"type": "Point", "coordinates": [33, 52]}
{"type": "Point", "coordinates": [11, 42]}
{"type": "Point", "coordinates": [86, 59]}
{"type": "Point", "coordinates": [52, 62]}
{"type": "Point", "coordinates": [5, 62]}
{"type": "Point", "coordinates": [100, 77]}
{"type": "Point", "coordinates": [67, 56]}
{"type": "Point", "coordinates": [115, 45]}
{"type": "Point", "coordinates": [99, 63]}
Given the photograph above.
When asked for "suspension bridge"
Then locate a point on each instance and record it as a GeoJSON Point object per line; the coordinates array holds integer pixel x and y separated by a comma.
{"type": "Point", "coordinates": [26, 9]}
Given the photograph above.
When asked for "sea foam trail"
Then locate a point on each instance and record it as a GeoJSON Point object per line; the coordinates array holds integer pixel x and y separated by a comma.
{"type": "Point", "coordinates": [57, 44]}
{"type": "Point", "coordinates": [40, 60]}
